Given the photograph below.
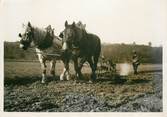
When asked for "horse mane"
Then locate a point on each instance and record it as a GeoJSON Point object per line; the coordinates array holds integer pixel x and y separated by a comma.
{"type": "Point", "coordinates": [80, 33]}
{"type": "Point", "coordinates": [39, 34]}
{"type": "Point", "coordinates": [42, 39]}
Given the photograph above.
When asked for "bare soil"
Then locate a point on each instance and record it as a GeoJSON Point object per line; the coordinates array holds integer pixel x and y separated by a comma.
{"type": "Point", "coordinates": [23, 91]}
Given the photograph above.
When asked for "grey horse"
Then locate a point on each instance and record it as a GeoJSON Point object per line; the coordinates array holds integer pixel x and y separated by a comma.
{"type": "Point", "coordinates": [47, 46]}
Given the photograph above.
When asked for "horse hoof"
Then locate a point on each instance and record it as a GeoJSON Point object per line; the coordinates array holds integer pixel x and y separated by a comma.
{"type": "Point", "coordinates": [43, 82]}
{"type": "Point", "coordinates": [76, 81]}
{"type": "Point", "coordinates": [52, 73]}
{"type": "Point", "coordinates": [61, 77]}
{"type": "Point", "coordinates": [68, 77]}
{"type": "Point", "coordinates": [90, 82]}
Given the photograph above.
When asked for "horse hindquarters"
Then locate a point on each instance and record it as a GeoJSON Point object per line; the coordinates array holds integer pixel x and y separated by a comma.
{"type": "Point", "coordinates": [52, 67]}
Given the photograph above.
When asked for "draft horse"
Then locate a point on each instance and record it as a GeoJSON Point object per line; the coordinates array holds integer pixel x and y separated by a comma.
{"type": "Point", "coordinates": [82, 47]}
{"type": "Point", "coordinates": [47, 46]}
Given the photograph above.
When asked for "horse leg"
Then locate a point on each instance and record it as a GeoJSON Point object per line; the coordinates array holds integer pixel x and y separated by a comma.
{"type": "Point", "coordinates": [62, 74]}
{"type": "Point", "coordinates": [65, 72]}
{"type": "Point", "coordinates": [52, 67]}
{"type": "Point", "coordinates": [44, 73]}
{"type": "Point", "coordinates": [93, 75]}
{"type": "Point", "coordinates": [43, 66]}
{"type": "Point", "coordinates": [76, 67]}
{"type": "Point", "coordinates": [80, 65]}
{"type": "Point", "coordinates": [95, 58]}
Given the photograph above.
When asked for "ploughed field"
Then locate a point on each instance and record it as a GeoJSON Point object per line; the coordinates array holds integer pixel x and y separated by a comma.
{"type": "Point", "coordinates": [23, 90]}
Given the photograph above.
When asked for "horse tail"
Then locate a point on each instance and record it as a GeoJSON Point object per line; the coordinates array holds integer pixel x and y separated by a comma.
{"type": "Point", "coordinates": [97, 53]}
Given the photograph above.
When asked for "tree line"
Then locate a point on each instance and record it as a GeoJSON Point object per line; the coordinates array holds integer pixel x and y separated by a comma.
{"type": "Point", "coordinates": [117, 52]}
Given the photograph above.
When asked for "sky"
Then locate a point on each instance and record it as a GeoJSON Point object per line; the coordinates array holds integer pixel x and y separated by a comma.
{"type": "Point", "coordinates": [114, 21]}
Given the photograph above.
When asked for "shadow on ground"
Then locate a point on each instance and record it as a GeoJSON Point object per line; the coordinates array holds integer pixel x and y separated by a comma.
{"type": "Point", "coordinates": [27, 80]}
{"type": "Point", "coordinates": [136, 81]}
{"type": "Point", "coordinates": [113, 79]}
{"type": "Point", "coordinates": [150, 71]}
{"type": "Point", "coordinates": [118, 79]}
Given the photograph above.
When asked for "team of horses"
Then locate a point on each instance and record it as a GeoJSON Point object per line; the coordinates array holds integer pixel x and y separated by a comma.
{"type": "Point", "coordinates": [73, 43]}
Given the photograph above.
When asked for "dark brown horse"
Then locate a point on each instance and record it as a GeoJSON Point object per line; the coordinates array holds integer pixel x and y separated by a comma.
{"type": "Point", "coordinates": [82, 47]}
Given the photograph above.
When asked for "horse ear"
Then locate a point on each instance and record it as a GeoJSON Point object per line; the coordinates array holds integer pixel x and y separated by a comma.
{"type": "Point", "coordinates": [66, 23]}
{"type": "Point", "coordinates": [73, 24]}
{"type": "Point", "coordinates": [84, 26]}
{"type": "Point", "coordinates": [61, 35]}
{"type": "Point", "coordinates": [23, 25]}
{"type": "Point", "coordinates": [20, 35]}
{"type": "Point", "coordinates": [29, 24]}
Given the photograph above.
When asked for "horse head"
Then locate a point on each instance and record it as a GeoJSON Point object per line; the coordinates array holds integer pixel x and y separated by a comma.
{"type": "Point", "coordinates": [26, 37]}
{"type": "Point", "coordinates": [71, 36]}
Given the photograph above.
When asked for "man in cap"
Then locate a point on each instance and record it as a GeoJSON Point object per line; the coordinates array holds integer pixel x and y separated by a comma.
{"type": "Point", "coordinates": [135, 61]}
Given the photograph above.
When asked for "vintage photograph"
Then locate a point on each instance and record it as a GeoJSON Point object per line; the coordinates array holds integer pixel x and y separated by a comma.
{"type": "Point", "coordinates": [83, 55]}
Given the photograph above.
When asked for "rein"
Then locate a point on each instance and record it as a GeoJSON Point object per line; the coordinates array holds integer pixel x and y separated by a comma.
{"type": "Point", "coordinates": [57, 53]}
{"type": "Point", "coordinates": [45, 54]}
